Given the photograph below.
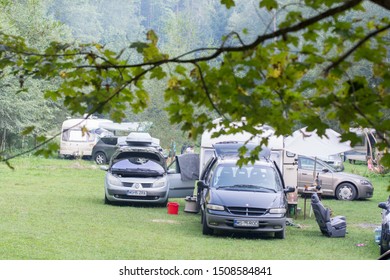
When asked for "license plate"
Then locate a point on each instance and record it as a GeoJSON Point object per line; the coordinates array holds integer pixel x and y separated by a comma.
{"type": "Point", "coordinates": [137, 193]}
{"type": "Point", "coordinates": [246, 223]}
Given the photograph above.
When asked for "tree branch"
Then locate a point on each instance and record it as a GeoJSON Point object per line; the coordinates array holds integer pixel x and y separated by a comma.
{"type": "Point", "coordinates": [383, 3]}
{"type": "Point", "coordinates": [206, 90]}
{"type": "Point", "coordinates": [354, 48]}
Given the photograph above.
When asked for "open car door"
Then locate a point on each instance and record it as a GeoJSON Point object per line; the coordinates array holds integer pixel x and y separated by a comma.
{"type": "Point", "coordinates": [182, 174]}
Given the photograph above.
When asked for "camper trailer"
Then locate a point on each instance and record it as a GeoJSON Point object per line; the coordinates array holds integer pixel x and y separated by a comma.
{"type": "Point", "coordinates": [365, 148]}
{"type": "Point", "coordinates": [79, 136]}
{"type": "Point", "coordinates": [286, 162]}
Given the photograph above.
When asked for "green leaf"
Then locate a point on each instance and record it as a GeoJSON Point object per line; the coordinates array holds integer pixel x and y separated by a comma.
{"type": "Point", "coordinates": [152, 37]}
{"type": "Point", "coordinates": [269, 4]}
{"type": "Point", "coordinates": [139, 46]}
{"type": "Point", "coordinates": [158, 73]}
{"type": "Point", "coordinates": [28, 130]}
{"type": "Point", "coordinates": [228, 3]}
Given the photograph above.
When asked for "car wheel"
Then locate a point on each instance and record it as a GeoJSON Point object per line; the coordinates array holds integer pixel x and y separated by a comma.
{"type": "Point", "coordinates": [106, 201]}
{"type": "Point", "coordinates": [205, 228]}
{"type": "Point", "coordinates": [382, 250]}
{"type": "Point", "coordinates": [382, 242]}
{"type": "Point", "coordinates": [100, 158]}
{"type": "Point", "coordinates": [163, 204]}
{"type": "Point", "coordinates": [346, 191]}
{"type": "Point", "coordinates": [280, 234]}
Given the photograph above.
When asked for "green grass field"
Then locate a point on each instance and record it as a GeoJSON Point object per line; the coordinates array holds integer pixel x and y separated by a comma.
{"type": "Point", "coordinates": [53, 209]}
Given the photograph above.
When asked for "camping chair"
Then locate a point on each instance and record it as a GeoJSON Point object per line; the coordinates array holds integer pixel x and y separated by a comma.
{"type": "Point", "coordinates": [331, 227]}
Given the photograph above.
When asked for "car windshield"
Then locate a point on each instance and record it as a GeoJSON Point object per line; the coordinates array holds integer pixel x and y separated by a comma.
{"type": "Point", "coordinates": [247, 178]}
{"type": "Point", "coordinates": [137, 166]}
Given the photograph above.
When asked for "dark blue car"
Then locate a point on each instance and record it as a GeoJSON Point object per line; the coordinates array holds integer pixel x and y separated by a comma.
{"type": "Point", "coordinates": [384, 242]}
{"type": "Point", "coordinates": [247, 198]}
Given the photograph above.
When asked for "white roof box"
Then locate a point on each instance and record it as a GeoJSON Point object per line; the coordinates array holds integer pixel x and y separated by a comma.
{"type": "Point", "coordinates": [139, 138]}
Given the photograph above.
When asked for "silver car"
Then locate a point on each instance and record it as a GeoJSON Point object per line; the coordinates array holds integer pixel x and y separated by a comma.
{"type": "Point", "coordinates": [342, 185]}
{"type": "Point", "coordinates": [139, 174]}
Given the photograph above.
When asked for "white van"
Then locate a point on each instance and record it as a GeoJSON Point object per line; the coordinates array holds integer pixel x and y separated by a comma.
{"type": "Point", "coordinates": [79, 136]}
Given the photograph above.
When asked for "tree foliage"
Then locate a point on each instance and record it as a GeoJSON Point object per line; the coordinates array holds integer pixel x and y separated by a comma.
{"type": "Point", "coordinates": [299, 69]}
{"type": "Point", "coordinates": [24, 107]}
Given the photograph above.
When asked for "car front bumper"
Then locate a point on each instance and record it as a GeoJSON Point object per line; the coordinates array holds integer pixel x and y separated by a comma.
{"type": "Point", "coordinates": [226, 222]}
{"type": "Point", "coordinates": [119, 194]}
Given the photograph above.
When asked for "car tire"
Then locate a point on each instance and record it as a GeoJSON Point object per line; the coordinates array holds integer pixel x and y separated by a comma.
{"type": "Point", "coordinates": [163, 204]}
{"type": "Point", "coordinates": [280, 234]}
{"type": "Point", "coordinates": [382, 242]}
{"type": "Point", "coordinates": [100, 158]}
{"type": "Point", "coordinates": [206, 230]}
{"type": "Point", "coordinates": [346, 191]}
{"type": "Point", "coordinates": [106, 201]}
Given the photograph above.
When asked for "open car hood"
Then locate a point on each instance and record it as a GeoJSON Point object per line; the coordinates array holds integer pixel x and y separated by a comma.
{"type": "Point", "coordinates": [141, 152]}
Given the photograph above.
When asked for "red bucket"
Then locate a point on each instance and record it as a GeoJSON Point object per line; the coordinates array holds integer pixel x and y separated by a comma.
{"type": "Point", "coordinates": [173, 208]}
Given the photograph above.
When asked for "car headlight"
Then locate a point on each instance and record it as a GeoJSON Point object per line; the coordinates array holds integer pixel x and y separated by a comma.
{"type": "Point", "coordinates": [365, 182]}
{"type": "Point", "coordinates": [215, 207]}
{"type": "Point", "coordinates": [114, 181]}
{"type": "Point", "coordinates": [277, 211]}
{"type": "Point", "coordinates": [160, 183]}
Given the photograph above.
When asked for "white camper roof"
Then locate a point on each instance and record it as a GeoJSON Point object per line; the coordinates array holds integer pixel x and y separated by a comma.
{"type": "Point", "coordinates": [88, 123]}
{"type": "Point", "coordinates": [274, 142]}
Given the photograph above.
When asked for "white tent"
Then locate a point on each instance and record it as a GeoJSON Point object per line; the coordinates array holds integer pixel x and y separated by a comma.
{"type": "Point", "coordinates": [309, 143]}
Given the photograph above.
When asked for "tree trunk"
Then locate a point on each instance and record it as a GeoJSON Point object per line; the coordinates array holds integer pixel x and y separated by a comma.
{"type": "Point", "coordinates": [3, 140]}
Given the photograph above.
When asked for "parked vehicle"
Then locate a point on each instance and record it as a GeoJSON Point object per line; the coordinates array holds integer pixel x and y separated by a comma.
{"type": "Point", "coordinates": [250, 198]}
{"type": "Point", "coordinates": [106, 146]}
{"type": "Point", "coordinates": [342, 185]}
{"type": "Point", "coordinates": [365, 148]}
{"type": "Point", "coordinates": [384, 241]}
{"type": "Point", "coordinates": [79, 136]}
{"type": "Point", "coordinates": [286, 162]}
{"type": "Point", "coordinates": [336, 161]}
{"type": "Point", "coordinates": [138, 173]}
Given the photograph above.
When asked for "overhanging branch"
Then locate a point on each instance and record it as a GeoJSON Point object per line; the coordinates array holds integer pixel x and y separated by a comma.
{"type": "Point", "coordinates": [354, 48]}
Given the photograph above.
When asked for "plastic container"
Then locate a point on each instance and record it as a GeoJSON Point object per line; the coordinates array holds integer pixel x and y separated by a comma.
{"type": "Point", "coordinates": [378, 232]}
{"type": "Point", "coordinates": [173, 208]}
{"type": "Point", "coordinates": [191, 205]}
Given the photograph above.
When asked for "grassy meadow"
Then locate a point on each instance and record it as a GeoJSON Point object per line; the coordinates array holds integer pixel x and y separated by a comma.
{"type": "Point", "coordinates": [53, 209]}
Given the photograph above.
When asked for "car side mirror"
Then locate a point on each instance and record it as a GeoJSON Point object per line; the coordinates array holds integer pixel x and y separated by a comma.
{"type": "Point", "coordinates": [289, 189]}
{"type": "Point", "coordinates": [383, 205]}
{"type": "Point", "coordinates": [201, 185]}
{"type": "Point", "coordinates": [104, 167]}
{"type": "Point", "coordinates": [325, 170]}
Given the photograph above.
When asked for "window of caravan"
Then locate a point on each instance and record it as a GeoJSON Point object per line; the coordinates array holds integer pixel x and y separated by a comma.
{"type": "Point", "coordinates": [76, 135]}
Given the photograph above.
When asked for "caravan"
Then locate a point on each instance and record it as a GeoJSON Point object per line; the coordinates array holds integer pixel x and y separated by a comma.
{"type": "Point", "coordinates": [365, 148]}
{"type": "Point", "coordinates": [79, 136]}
